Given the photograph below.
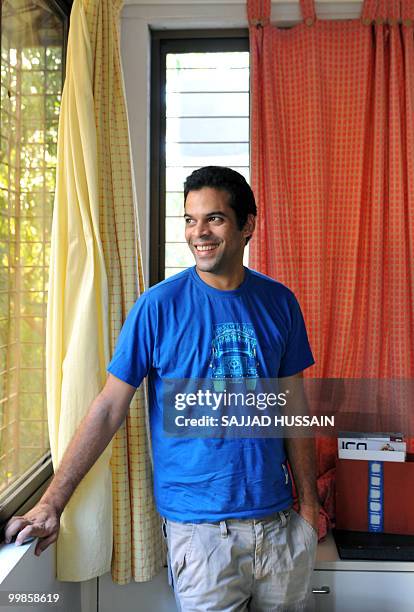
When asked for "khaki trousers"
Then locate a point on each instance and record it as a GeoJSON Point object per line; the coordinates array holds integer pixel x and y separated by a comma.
{"type": "Point", "coordinates": [262, 565]}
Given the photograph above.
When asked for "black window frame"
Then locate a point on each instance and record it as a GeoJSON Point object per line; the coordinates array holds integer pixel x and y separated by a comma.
{"type": "Point", "coordinates": [163, 42]}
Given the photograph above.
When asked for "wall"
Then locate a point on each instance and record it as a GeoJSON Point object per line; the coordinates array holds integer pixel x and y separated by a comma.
{"type": "Point", "coordinates": [136, 597]}
{"type": "Point", "coordinates": [37, 575]}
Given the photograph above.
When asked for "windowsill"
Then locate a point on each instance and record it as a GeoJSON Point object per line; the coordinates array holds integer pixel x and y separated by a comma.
{"type": "Point", "coordinates": [10, 556]}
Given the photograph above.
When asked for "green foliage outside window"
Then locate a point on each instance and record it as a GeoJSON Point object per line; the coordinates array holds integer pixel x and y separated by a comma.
{"type": "Point", "coordinates": [31, 86]}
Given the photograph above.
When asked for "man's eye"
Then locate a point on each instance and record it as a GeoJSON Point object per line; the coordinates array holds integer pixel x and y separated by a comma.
{"type": "Point", "coordinates": [187, 221]}
{"type": "Point", "coordinates": [215, 219]}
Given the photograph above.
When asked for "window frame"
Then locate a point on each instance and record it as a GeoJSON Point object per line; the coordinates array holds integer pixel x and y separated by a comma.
{"type": "Point", "coordinates": [163, 42]}
{"type": "Point", "coordinates": [26, 491]}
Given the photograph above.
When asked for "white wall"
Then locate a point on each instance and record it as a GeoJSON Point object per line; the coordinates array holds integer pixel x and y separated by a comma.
{"type": "Point", "coordinates": [37, 575]}
{"type": "Point", "coordinates": [136, 597]}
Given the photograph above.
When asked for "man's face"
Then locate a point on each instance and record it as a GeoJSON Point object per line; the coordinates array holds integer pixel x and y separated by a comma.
{"type": "Point", "coordinates": [212, 232]}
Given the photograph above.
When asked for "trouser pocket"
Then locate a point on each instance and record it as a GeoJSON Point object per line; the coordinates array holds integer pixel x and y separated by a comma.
{"type": "Point", "coordinates": [179, 538]}
{"type": "Point", "coordinates": [169, 571]}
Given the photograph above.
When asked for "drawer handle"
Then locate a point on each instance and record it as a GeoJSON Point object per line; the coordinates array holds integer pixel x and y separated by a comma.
{"type": "Point", "coordinates": [325, 590]}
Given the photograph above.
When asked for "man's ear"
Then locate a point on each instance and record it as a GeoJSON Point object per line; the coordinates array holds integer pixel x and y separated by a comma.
{"type": "Point", "coordinates": [249, 226]}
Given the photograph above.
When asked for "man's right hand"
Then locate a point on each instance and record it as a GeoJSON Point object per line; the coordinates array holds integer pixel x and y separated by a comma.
{"type": "Point", "coordinates": [93, 435]}
{"type": "Point", "coordinates": [42, 521]}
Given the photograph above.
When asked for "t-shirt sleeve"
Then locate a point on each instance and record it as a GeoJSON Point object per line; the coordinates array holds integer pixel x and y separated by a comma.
{"type": "Point", "coordinates": [134, 350]}
{"type": "Point", "coordinates": [298, 354]}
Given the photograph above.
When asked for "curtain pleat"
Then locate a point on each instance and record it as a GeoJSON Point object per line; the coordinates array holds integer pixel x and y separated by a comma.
{"type": "Point", "coordinates": [110, 523]}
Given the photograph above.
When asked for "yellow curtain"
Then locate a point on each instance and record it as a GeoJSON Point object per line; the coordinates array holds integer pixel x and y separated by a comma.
{"type": "Point", "coordinates": [110, 522]}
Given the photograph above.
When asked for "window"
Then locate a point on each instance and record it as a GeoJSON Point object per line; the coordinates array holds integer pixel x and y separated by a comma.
{"type": "Point", "coordinates": [200, 117]}
{"type": "Point", "coordinates": [33, 35]}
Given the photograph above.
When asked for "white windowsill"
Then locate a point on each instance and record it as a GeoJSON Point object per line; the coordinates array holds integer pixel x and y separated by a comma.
{"type": "Point", "coordinates": [10, 555]}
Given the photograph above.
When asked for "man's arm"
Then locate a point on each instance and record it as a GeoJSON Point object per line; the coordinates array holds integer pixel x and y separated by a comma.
{"type": "Point", "coordinates": [93, 435]}
{"type": "Point", "coordinates": [301, 455]}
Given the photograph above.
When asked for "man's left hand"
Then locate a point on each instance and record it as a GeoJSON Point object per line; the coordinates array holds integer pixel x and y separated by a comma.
{"type": "Point", "coordinates": [310, 512]}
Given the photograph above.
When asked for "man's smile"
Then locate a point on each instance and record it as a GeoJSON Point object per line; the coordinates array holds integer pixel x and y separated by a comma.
{"type": "Point", "coordinates": [205, 248]}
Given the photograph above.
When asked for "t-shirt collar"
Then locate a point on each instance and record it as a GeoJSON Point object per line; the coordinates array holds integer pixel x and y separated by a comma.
{"type": "Point", "coordinates": [219, 292]}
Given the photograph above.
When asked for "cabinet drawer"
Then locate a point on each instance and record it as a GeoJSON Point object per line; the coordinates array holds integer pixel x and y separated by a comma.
{"type": "Point", "coordinates": [363, 591]}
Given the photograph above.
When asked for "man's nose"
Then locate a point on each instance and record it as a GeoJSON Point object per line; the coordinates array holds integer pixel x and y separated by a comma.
{"type": "Point", "coordinates": [201, 229]}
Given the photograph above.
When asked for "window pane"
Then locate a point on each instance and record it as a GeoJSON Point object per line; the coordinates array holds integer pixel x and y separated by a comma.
{"type": "Point", "coordinates": [175, 228]}
{"type": "Point", "coordinates": [206, 154]}
{"type": "Point", "coordinates": [171, 271]}
{"type": "Point", "coordinates": [31, 84]}
{"type": "Point", "coordinates": [215, 60]}
{"type": "Point", "coordinates": [204, 79]}
{"type": "Point", "coordinates": [31, 355]}
{"type": "Point", "coordinates": [174, 204]}
{"type": "Point", "coordinates": [176, 175]}
{"type": "Point", "coordinates": [207, 109]}
{"type": "Point", "coordinates": [211, 129]}
{"type": "Point", "coordinates": [178, 255]}
{"type": "Point", "coordinates": [227, 104]}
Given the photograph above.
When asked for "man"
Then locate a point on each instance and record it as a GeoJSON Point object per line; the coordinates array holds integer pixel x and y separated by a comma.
{"type": "Point", "coordinates": [234, 543]}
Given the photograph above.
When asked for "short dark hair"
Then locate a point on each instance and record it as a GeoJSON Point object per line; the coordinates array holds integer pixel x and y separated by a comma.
{"type": "Point", "coordinates": [220, 177]}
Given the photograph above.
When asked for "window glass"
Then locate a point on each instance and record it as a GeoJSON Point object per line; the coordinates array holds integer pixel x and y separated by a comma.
{"type": "Point", "coordinates": [32, 37]}
{"type": "Point", "coordinates": [207, 123]}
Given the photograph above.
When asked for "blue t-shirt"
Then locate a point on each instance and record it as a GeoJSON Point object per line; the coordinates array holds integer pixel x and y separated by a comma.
{"type": "Point", "coordinates": [170, 333]}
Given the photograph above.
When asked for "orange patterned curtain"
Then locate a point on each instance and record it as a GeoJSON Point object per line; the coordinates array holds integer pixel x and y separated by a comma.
{"type": "Point", "coordinates": [332, 169]}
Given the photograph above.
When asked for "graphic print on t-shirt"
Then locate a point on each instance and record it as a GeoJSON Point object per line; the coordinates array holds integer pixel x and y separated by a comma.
{"type": "Point", "coordinates": [234, 355]}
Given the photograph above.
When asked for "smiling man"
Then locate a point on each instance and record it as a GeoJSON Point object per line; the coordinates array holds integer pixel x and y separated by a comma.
{"type": "Point", "coordinates": [234, 542]}
{"type": "Point", "coordinates": [215, 235]}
